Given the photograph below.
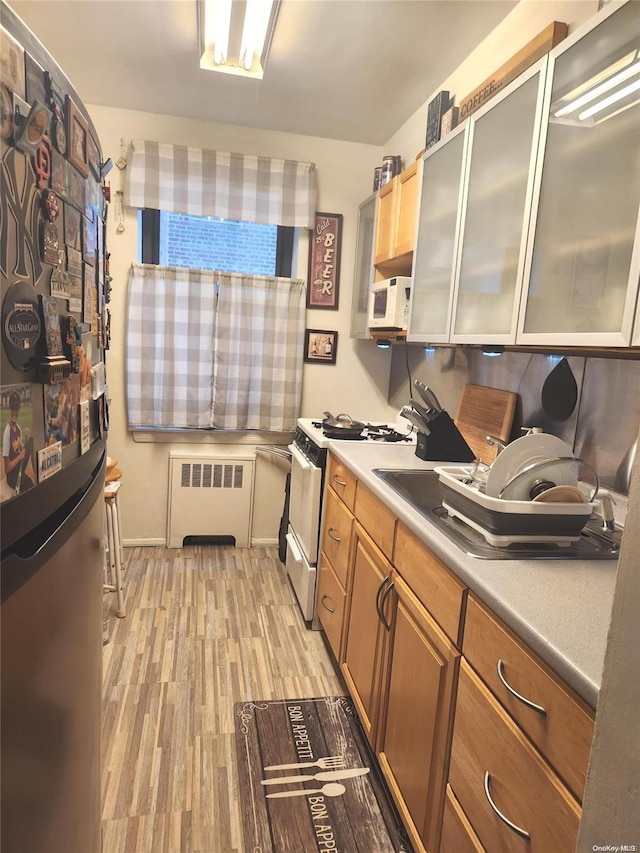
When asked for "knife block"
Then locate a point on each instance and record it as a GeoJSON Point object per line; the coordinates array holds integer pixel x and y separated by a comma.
{"type": "Point", "coordinates": [444, 442]}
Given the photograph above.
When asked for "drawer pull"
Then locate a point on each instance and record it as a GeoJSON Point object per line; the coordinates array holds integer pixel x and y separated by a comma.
{"type": "Point", "coordinates": [517, 829]}
{"type": "Point", "coordinates": [331, 536]}
{"type": "Point", "coordinates": [523, 699]}
{"type": "Point", "coordinates": [326, 607]}
{"type": "Point", "coordinates": [339, 482]}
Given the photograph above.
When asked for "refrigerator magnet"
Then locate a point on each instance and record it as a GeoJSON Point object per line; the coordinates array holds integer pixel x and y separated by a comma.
{"type": "Point", "coordinates": [49, 460]}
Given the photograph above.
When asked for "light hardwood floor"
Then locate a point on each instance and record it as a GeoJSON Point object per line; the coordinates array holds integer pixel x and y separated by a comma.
{"type": "Point", "coordinates": [205, 627]}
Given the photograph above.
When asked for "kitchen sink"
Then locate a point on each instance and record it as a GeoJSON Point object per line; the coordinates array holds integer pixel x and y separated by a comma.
{"type": "Point", "coordinates": [421, 490]}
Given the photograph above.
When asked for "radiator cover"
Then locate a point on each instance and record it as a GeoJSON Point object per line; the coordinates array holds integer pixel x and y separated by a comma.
{"type": "Point", "coordinates": [210, 496]}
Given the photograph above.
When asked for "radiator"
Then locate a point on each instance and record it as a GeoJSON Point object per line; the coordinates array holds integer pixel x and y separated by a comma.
{"type": "Point", "coordinates": [210, 496]}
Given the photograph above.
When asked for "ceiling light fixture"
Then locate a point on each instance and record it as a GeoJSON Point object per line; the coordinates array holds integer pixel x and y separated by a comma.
{"type": "Point", "coordinates": [235, 35]}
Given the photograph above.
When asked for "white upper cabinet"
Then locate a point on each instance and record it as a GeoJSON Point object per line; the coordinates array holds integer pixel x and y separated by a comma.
{"type": "Point", "coordinates": [581, 268]}
{"type": "Point", "coordinates": [364, 268]}
{"type": "Point", "coordinates": [503, 140]}
{"type": "Point", "coordinates": [434, 257]}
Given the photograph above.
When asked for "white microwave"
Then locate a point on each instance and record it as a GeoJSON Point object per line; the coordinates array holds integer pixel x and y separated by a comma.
{"type": "Point", "coordinates": [389, 303]}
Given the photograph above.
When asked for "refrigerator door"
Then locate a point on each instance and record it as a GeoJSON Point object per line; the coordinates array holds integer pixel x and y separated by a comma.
{"type": "Point", "coordinates": [51, 651]}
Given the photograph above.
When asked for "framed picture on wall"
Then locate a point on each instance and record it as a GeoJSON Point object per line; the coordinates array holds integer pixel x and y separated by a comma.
{"type": "Point", "coordinates": [320, 346]}
{"type": "Point", "coordinates": [78, 134]}
{"type": "Point", "coordinates": [324, 261]}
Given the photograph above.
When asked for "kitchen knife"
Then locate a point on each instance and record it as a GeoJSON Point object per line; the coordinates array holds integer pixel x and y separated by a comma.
{"type": "Point", "coordinates": [416, 419]}
{"type": "Point", "coordinates": [427, 414]}
{"type": "Point", "coordinates": [325, 776]}
{"type": "Point", "coordinates": [427, 395]}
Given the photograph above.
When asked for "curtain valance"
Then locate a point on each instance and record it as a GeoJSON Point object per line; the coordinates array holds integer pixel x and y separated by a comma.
{"type": "Point", "coordinates": [241, 187]}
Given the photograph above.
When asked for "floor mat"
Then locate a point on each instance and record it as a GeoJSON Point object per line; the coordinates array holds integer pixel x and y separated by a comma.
{"type": "Point", "coordinates": [329, 794]}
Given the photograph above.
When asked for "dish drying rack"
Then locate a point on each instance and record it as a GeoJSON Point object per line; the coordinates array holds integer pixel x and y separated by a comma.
{"type": "Point", "coordinates": [503, 522]}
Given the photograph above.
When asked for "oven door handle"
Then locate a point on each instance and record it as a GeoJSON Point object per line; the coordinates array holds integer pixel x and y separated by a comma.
{"type": "Point", "coordinates": [297, 553]}
{"type": "Point", "coordinates": [300, 460]}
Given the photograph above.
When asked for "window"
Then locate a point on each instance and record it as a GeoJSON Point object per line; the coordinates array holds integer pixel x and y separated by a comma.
{"type": "Point", "coordinates": [207, 242]}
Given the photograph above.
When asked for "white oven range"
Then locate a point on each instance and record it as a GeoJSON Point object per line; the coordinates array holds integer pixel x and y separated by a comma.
{"type": "Point", "coordinates": [308, 462]}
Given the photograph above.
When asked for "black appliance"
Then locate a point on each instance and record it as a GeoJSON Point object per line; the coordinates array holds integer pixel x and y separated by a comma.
{"type": "Point", "coordinates": [54, 425]}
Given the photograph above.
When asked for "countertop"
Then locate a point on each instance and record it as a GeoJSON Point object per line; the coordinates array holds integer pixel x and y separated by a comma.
{"type": "Point", "coordinates": [560, 608]}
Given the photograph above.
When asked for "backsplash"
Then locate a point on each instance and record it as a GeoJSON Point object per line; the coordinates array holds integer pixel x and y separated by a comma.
{"type": "Point", "coordinates": [602, 428]}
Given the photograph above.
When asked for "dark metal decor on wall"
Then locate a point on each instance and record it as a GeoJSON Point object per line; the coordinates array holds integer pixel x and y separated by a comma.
{"type": "Point", "coordinates": [52, 232]}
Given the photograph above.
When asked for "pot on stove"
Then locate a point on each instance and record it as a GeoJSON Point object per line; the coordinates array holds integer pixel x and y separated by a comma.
{"type": "Point", "coordinates": [342, 426]}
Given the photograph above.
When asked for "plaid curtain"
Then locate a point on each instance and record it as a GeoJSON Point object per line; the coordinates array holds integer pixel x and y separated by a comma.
{"type": "Point", "coordinates": [169, 346]}
{"type": "Point", "coordinates": [231, 361]}
{"type": "Point", "coordinates": [215, 183]}
{"type": "Point", "coordinates": [259, 339]}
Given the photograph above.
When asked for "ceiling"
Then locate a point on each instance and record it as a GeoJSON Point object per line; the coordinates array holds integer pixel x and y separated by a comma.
{"type": "Point", "coordinates": [353, 70]}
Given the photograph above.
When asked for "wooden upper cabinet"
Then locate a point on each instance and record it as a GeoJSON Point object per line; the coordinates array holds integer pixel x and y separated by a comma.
{"type": "Point", "coordinates": [385, 215]}
{"type": "Point", "coordinates": [407, 190]}
{"type": "Point", "coordinates": [396, 223]}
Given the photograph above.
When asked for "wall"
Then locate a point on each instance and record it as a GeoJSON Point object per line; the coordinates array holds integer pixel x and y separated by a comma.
{"type": "Point", "coordinates": [602, 428]}
{"type": "Point", "coordinates": [359, 382]}
{"type": "Point", "coordinates": [521, 25]}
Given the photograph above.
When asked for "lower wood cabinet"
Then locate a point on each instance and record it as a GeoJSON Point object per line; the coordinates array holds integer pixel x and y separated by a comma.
{"type": "Point", "coordinates": [458, 835]}
{"type": "Point", "coordinates": [414, 735]}
{"type": "Point", "coordinates": [512, 798]}
{"type": "Point", "coordinates": [330, 603]}
{"type": "Point", "coordinates": [555, 719]}
{"type": "Point", "coordinates": [485, 753]}
{"type": "Point", "coordinates": [366, 633]}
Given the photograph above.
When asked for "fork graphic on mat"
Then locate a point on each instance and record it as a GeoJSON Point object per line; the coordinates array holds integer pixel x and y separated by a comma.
{"type": "Point", "coordinates": [330, 762]}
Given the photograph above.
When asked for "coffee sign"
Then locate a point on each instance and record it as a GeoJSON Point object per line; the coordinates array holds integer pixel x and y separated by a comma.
{"type": "Point", "coordinates": [530, 53]}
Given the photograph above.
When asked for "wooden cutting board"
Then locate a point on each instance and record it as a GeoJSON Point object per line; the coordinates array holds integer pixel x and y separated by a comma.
{"type": "Point", "coordinates": [485, 411]}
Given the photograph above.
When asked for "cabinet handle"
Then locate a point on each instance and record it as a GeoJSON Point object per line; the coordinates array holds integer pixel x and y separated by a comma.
{"type": "Point", "coordinates": [523, 699]}
{"type": "Point", "coordinates": [384, 598]}
{"type": "Point", "coordinates": [339, 482]}
{"type": "Point", "coordinates": [517, 829]}
{"type": "Point", "coordinates": [378, 594]}
{"type": "Point", "coordinates": [331, 536]}
{"type": "Point", "coordinates": [330, 609]}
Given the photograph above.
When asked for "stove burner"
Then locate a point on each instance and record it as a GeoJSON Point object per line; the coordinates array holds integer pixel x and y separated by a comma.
{"type": "Point", "coordinates": [372, 432]}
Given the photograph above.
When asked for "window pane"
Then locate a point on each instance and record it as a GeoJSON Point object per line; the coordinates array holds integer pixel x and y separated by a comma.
{"type": "Point", "coordinates": [206, 242]}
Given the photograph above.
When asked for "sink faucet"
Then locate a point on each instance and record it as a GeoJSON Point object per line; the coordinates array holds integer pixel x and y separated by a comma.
{"type": "Point", "coordinates": [606, 510]}
{"type": "Point", "coordinates": [493, 441]}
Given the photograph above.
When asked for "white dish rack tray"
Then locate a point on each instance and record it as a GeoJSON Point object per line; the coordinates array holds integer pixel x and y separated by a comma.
{"type": "Point", "coordinates": [504, 522]}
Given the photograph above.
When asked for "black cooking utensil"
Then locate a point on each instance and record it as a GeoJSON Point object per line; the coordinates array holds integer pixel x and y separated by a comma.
{"type": "Point", "coordinates": [560, 392]}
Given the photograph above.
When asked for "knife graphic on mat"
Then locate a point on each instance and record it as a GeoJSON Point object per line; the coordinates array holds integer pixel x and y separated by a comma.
{"type": "Point", "coordinates": [325, 776]}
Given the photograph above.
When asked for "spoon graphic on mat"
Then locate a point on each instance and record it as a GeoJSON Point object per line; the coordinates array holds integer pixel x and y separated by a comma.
{"type": "Point", "coordinates": [331, 789]}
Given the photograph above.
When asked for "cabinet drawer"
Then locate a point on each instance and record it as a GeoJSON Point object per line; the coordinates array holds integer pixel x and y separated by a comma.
{"type": "Point", "coordinates": [490, 751]}
{"type": "Point", "coordinates": [457, 833]}
{"type": "Point", "coordinates": [330, 601]}
{"type": "Point", "coordinates": [336, 535]}
{"type": "Point", "coordinates": [376, 519]}
{"type": "Point", "coordinates": [342, 481]}
{"type": "Point", "coordinates": [564, 733]}
{"type": "Point", "coordinates": [438, 590]}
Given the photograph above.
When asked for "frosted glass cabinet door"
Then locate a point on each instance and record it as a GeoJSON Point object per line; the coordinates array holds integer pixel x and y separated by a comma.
{"type": "Point", "coordinates": [583, 280]}
{"type": "Point", "coordinates": [503, 141]}
{"type": "Point", "coordinates": [364, 268]}
{"type": "Point", "coordinates": [435, 253]}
